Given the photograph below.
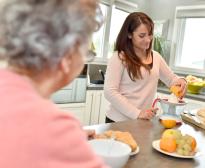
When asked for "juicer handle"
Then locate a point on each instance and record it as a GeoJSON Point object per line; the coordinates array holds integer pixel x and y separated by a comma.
{"type": "Point", "coordinates": [155, 101]}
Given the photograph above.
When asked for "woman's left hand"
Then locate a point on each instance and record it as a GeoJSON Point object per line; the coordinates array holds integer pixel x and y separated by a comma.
{"type": "Point", "coordinates": [182, 83]}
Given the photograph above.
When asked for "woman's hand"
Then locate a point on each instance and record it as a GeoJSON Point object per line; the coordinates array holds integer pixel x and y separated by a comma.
{"type": "Point", "coordinates": [182, 84]}
{"type": "Point", "coordinates": [148, 113]}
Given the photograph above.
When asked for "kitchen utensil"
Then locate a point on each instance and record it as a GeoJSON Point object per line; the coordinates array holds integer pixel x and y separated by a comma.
{"type": "Point", "coordinates": [190, 119]}
{"type": "Point", "coordinates": [170, 108]}
{"type": "Point", "coordinates": [192, 115]}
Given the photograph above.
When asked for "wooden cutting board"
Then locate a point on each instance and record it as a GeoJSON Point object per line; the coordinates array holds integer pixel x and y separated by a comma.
{"type": "Point", "coordinates": [193, 120]}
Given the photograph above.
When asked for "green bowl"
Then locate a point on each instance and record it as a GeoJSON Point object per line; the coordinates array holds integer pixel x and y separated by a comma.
{"type": "Point", "coordinates": [194, 88]}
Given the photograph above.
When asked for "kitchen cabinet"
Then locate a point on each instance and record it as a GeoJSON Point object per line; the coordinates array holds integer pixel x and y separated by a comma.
{"type": "Point", "coordinates": [96, 106]}
{"type": "Point", "coordinates": [78, 110]}
{"type": "Point", "coordinates": [75, 92]}
{"type": "Point", "coordinates": [92, 111]}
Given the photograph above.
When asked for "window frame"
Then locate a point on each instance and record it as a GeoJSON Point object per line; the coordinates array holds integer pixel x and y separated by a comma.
{"type": "Point", "coordinates": [123, 5]}
{"type": "Point", "coordinates": [178, 36]}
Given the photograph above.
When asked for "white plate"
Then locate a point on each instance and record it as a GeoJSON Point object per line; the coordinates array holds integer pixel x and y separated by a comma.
{"type": "Point", "coordinates": [155, 145]}
{"type": "Point", "coordinates": [135, 152]}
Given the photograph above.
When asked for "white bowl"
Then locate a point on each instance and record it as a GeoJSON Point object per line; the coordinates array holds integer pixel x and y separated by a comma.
{"type": "Point", "coordinates": [114, 153]}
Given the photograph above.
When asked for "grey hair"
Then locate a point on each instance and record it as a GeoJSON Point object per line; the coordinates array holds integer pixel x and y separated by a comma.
{"type": "Point", "coordinates": [37, 33]}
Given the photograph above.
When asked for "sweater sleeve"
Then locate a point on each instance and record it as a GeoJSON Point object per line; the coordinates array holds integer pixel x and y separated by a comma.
{"type": "Point", "coordinates": [64, 143]}
{"type": "Point", "coordinates": [165, 73]}
{"type": "Point", "coordinates": [112, 93]}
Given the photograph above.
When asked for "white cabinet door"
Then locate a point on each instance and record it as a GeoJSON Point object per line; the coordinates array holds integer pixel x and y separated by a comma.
{"type": "Point", "coordinates": [103, 108]}
{"type": "Point", "coordinates": [77, 109]}
{"type": "Point", "coordinates": [93, 101]}
{"type": "Point", "coordinates": [96, 105]}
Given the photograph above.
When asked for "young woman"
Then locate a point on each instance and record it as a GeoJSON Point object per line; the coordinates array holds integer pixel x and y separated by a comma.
{"type": "Point", "coordinates": [45, 44]}
{"type": "Point", "coordinates": [134, 70]}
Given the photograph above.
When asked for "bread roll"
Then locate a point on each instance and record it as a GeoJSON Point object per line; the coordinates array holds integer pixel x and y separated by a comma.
{"type": "Point", "coordinates": [124, 137]}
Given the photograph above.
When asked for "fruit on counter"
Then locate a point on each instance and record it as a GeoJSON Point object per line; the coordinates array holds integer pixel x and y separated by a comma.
{"type": "Point", "coordinates": [185, 144]}
{"type": "Point", "coordinates": [176, 90]}
{"type": "Point", "coordinates": [192, 141]}
{"type": "Point", "coordinates": [195, 84]}
{"type": "Point", "coordinates": [195, 80]}
{"type": "Point", "coordinates": [168, 144]}
{"type": "Point", "coordinates": [168, 123]}
{"type": "Point", "coordinates": [172, 133]}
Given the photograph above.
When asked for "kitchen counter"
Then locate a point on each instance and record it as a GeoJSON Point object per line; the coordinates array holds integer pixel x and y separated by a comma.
{"type": "Point", "coordinates": [144, 132]}
{"type": "Point", "coordinates": [95, 87]}
{"type": "Point", "coordinates": [198, 97]}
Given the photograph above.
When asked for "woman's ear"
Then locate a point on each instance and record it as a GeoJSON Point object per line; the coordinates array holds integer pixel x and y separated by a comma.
{"type": "Point", "coordinates": [129, 36]}
{"type": "Point", "coordinates": [65, 64]}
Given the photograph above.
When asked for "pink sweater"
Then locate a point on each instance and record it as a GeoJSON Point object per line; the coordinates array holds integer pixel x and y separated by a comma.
{"type": "Point", "coordinates": [34, 133]}
{"type": "Point", "coordinates": [128, 98]}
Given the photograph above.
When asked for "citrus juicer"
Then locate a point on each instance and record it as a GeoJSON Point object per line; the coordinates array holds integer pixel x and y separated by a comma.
{"type": "Point", "coordinates": [170, 109]}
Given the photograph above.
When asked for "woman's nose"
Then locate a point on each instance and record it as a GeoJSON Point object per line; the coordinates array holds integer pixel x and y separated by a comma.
{"type": "Point", "coordinates": [148, 39]}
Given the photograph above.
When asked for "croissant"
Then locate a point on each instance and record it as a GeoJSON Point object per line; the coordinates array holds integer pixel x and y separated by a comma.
{"type": "Point", "coordinates": [124, 137]}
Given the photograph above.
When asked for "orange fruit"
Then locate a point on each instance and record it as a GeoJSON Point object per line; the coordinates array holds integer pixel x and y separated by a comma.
{"type": "Point", "coordinates": [168, 144]}
{"type": "Point", "coordinates": [193, 144]}
{"type": "Point", "coordinates": [176, 91]}
{"type": "Point", "coordinates": [168, 123]}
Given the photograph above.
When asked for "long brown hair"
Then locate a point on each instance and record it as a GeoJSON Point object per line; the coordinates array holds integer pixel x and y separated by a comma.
{"type": "Point", "coordinates": [124, 43]}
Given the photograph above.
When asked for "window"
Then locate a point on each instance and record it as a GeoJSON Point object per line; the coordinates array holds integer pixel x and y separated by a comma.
{"type": "Point", "coordinates": [192, 47]}
{"type": "Point", "coordinates": [158, 27]}
{"type": "Point", "coordinates": [98, 36]}
{"type": "Point", "coordinates": [116, 25]}
{"type": "Point", "coordinates": [189, 53]}
{"type": "Point", "coordinates": [160, 42]}
{"type": "Point", "coordinates": [115, 12]}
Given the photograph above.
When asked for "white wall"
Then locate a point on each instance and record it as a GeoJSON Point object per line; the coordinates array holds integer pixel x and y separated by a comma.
{"type": "Point", "coordinates": [165, 9]}
{"type": "Point", "coordinates": [143, 5]}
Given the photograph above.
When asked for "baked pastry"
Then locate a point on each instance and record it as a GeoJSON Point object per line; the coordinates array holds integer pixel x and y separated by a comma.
{"type": "Point", "coordinates": [124, 137]}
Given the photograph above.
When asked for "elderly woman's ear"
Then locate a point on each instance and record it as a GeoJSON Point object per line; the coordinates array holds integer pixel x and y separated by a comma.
{"type": "Point", "coordinates": [65, 64]}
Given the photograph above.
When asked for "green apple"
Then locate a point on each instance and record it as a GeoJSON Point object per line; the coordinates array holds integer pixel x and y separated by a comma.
{"type": "Point", "coordinates": [172, 133]}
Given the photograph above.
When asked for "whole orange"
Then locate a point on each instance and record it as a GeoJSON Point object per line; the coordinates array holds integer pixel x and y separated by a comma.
{"type": "Point", "coordinates": [168, 123]}
{"type": "Point", "coordinates": [176, 90]}
{"type": "Point", "coordinates": [168, 144]}
{"type": "Point", "coordinates": [193, 144]}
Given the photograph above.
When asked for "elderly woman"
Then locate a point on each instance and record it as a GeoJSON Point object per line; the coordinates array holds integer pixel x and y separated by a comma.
{"type": "Point", "coordinates": [45, 43]}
